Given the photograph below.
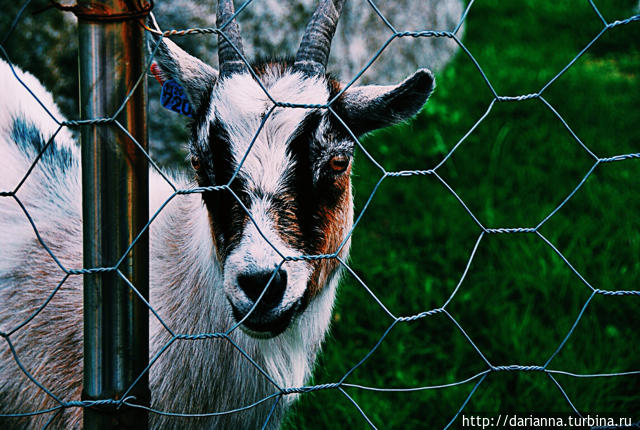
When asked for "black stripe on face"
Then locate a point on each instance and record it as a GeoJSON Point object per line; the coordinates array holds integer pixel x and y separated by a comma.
{"type": "Point", "coordinates": [228, 216]}
{"type": "Point", "coordinates": [337, 127]}
{"type": "Point", "coordinates": [311, 189]}
{"type": "Point", "coordinates": [295, 213]}
{"type": "Point", "coordinates": [220, 147]}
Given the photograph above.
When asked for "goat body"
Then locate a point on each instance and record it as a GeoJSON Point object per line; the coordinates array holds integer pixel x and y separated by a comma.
{"type": "Point", "coordinates": [193, 376]}
{"type": "Point", "coordinates": [287, 172]}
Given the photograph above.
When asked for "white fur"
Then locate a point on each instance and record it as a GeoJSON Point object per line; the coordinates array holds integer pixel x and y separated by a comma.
{"type": "Point", "coordinates": [240, 104]}
{"type": "Point", "coordinates": [18, 102]}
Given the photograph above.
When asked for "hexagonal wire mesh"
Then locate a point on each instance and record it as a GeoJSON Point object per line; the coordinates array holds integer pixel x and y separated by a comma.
{"type": "Point", "coordinates": [339, 385]}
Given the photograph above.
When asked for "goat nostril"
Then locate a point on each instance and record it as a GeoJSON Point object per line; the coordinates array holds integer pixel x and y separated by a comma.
{"type": "Point", "coordinates": [253, 283]}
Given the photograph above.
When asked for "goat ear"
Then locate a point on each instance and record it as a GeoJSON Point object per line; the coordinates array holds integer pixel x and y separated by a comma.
{"type": "Point", "coordinates": [370, 107]}
{"type": "Point", "coordinates": [196, 78]}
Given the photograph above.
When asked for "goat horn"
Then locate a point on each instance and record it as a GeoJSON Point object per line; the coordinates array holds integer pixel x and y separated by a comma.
{"type": "Point", "coordinates": [230, 60]}
{"type": "Point", "coordinates": [313, 53]}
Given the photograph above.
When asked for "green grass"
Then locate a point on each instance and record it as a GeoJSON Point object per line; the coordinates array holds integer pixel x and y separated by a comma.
{"type": "Point", "coordinates": [519, 298]}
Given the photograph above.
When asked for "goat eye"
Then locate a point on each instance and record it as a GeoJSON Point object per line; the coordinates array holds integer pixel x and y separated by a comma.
{"type": "Point", "coordinates": [339, 163]}
{"type": "Point", "coordinates": [195, 162]}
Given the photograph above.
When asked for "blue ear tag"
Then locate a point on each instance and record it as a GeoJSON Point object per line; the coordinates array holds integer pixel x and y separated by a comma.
{"type": "Point", "coordinates": [174, 98]}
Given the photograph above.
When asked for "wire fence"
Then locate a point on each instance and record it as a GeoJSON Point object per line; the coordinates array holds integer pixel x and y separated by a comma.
{"type": "Point", "coordinates": [339, 385]}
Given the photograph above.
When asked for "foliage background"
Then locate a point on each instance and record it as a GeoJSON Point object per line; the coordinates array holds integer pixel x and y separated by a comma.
{"type": "Point", "coordinates": [519, 299]}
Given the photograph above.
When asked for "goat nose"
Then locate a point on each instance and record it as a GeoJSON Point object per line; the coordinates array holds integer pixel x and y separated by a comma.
{"type": "Point", "coordinates": [253, 283]}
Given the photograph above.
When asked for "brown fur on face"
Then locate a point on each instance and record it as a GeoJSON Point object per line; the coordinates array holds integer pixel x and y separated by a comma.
{"type": "Point", "coordinates": [337, 224]}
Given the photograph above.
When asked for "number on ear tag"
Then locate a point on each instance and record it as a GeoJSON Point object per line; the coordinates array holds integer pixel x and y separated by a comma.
{"type": "Point", "coordinates": [174, 98]}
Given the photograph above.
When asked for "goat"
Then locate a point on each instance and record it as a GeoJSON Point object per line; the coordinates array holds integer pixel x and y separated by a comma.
{"type": "Point", "coordinates": [209, 260]}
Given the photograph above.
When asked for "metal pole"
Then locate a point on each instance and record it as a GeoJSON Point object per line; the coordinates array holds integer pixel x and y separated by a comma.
{"type": "Point", "coordinates": [115, 209]}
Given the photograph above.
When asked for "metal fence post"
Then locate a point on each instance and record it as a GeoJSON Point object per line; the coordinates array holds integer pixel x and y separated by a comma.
{"type": "Point", "coordinates": [115, 209]}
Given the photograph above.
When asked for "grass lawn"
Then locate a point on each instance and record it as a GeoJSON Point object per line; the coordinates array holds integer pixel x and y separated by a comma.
{"type": "Point", "coordinates": [519, 298]}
